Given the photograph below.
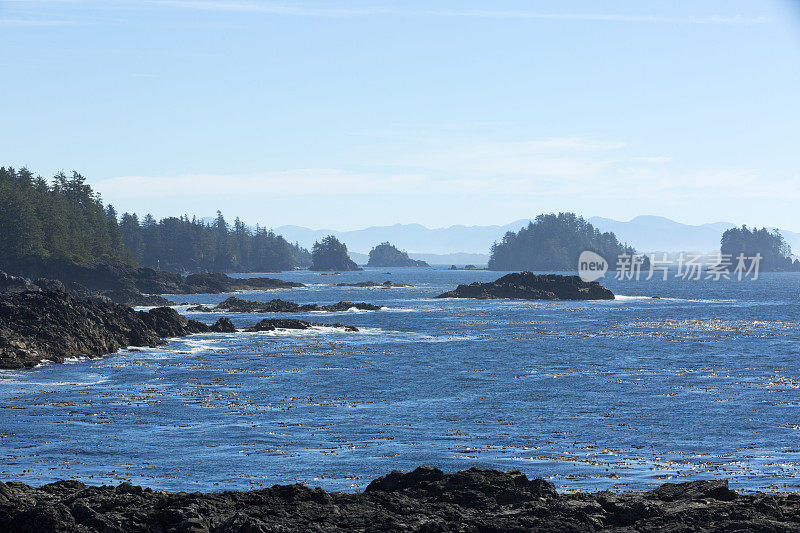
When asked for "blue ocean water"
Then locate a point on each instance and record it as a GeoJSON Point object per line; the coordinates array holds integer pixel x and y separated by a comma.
{"type": "Point", "coordinates": [703, 382]}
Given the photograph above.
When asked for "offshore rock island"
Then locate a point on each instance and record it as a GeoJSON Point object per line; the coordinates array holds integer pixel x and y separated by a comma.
{"type": "Point", "coordinates": [529, 286]}
{"type": "Point", "coordinates": [425, 499]}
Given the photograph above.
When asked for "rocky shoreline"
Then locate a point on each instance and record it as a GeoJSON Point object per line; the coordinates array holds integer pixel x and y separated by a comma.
{"type": "Point", "coordinates": [38, 326]}
{"type": "Point", "coordinates": [425, 499]}
{"type": "Point", "coordinates": [126, 284]}
{"type": "Point", "coordinates": [529, 286]}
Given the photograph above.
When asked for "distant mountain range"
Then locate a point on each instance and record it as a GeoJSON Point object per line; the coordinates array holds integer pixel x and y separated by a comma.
{"type": "Point", "coordinates": [471, 244]}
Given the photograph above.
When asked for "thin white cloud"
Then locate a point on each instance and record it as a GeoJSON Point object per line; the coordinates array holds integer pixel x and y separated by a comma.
{"type": "Point", "coordinates": [28, 23]}
{"type": "Point", "coordinates": [288, 9]}
{"type": "Point", "coordinates": [271, 8]}
{"type": "Point", "coordinates": [299, 182]}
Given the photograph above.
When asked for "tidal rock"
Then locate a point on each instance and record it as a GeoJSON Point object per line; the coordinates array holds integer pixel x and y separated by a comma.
{"type": "Point", "coordinates": [529, 286]}
{"type": "Point", "coordinates": [425, 499]}
{"type": "Point", "coordinates": [271, 324]}
{"type": "Point", "coordinates": [238, 305]}
{"type": "Point", "coordinates": [385, 285]}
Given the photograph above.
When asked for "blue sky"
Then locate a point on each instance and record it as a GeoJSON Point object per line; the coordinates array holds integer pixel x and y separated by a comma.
{"type": "Point", "coordinates": [350, 114]}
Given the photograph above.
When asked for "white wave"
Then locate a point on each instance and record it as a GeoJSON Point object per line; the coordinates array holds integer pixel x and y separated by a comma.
{"type": "Point", "coordinates": [623, 297]}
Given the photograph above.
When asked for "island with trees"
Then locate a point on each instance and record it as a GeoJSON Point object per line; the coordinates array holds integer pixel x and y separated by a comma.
{"type": "Point", "coordinates": [775, 253]}
{"type": "Point", "coordinates": [554, 243]}
{"type": "Point", "coordinates": [387, 255]}
{"type": "Point", "coordinates": [331, 254]}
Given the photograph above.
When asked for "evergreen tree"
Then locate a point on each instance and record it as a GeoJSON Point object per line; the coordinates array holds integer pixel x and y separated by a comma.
{"type": "Point", "coordinates": [330, 254]}
{"type": "Point", "coordinates": [776, 254]}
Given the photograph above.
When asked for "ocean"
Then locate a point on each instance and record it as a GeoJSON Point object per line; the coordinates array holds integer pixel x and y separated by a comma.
{"type": "Point", "coordinates": [702, 382]}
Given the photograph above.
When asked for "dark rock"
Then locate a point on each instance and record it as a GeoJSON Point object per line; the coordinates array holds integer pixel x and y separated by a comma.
{"type": "Point", "coordinates": [125, 295]}
{"type": "Point", "coordinates": [237, 305]}
{"type": "Point", "coordinates": [134, 298]}
{"type": "Point", "coordinates": [218, 282]}
{"type": "Point", "coordinates": [529, 286]}
{"type": "Point", "coordinates": [223, 325]}
{"type": "Point", "coordinates": [47, 325]}
{"type": "Point", "coordinates": [385, 285]}
{"type": "Point", "coordinates": [199, 308]}
{"type": "Point", "coordinates": [10, 283]}
{"type": "Point", "coordinates": [346, 306]}
{"type": "Point", "coordinates": [693, 490]}
{"type": "Point", "coordinates": [271, 324]}
{"type": "Point", "coordinates": [115, 275]}
{"type": "Point", "coordinates": [423, 500]}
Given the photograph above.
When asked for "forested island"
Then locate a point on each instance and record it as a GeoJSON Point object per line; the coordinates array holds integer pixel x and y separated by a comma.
{"type": "Point", "coordinates": [330, 254]}
{"type": "Point", "coordinates": [387, 255]}
{"type": "Point", "coordinates": [554, 243]}
{"type": "Point", "coordinates": [776, 254]}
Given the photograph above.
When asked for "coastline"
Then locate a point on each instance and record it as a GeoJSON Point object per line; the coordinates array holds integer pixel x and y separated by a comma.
{"type": "Point", "coordinates": [425, 499]}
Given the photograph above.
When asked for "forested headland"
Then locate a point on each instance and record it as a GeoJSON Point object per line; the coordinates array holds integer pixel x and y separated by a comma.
{"type": "Point", "coordinates": [63, 219]}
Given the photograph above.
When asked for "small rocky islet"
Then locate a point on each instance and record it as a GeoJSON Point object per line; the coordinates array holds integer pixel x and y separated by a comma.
{"type": "Point", "coordinates": [238, 305]}
{"type": "Point", "coordinates": [425, 499]}
{"type": "Point", "coordinates": [529, 286]}
{"type": "Point", "coordinates": [373, 284]}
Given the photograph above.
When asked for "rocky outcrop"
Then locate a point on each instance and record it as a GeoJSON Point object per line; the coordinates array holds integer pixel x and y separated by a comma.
{"type": "Point", "coordinates": [38, 326]}
{"type": "Point", "coordinates": [129, 297]}
{"type": "Point", "coordinates": [218, 282]}
{"type": "Point", "coordinates": [423, 500]}
{"type": "Point", "coordinates": [529, 286]}
{"type": "Point", "coordinates": [115, 275]}
{"type": "Point", "coordinates": [271, 324]}
{"type": "Point", "coordinates": [237, 305]}
{"type": "Point", "coordinates": [385, 285]}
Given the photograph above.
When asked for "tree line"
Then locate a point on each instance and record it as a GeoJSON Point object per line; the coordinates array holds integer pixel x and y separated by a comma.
{"type": "Point", "coordinates": [553, 243]}
{"type": "Point", "coordinates": [181, 244]}
{"type": "Point", "coordinates": [776, 254]}
{"type": "Point", "coordinates": [58, 220]}
{"type": "Point", "coordinates": [63, 219]}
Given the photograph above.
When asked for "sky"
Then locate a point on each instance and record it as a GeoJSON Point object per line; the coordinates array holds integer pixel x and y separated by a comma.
{"type": "Point", "coordinates": [350, 114]}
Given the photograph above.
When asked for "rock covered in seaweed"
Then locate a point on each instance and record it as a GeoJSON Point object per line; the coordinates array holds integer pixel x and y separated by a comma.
{"type": "Point", "coordinates": [529, 286]}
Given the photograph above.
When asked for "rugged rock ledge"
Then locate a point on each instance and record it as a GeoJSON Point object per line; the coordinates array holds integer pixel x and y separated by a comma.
{"type": "Point", "coordinates": [271, 324]}
{"type": "Point", "coordinates": [129, 297]}
{"type": "Point", "coordinates": [47, 325]}
{"type": "Point", "coordinates": [422, 500]}
{"type": "Point", "coordinates": [112, 276]}
{"type": "Point", "coordinates": [385, 285]}
{"type": "Point", "coordinates": [238, 305]}
{"type": "Point", "coordinates": [529, 286]}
